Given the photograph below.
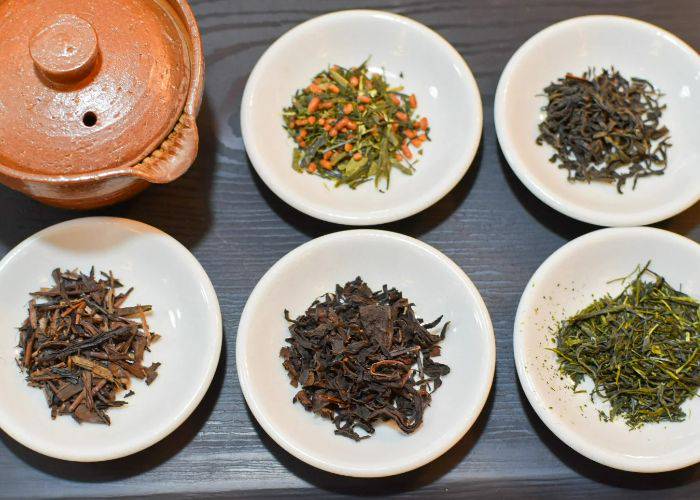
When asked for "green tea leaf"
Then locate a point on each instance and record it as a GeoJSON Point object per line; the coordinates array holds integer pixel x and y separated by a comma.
{"type": "Point", "coordinates": [358, 133]}
{"type": "Point", "coordinates": [640, 349]}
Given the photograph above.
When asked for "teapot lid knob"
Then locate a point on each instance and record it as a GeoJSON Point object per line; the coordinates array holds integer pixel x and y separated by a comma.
{"type": "Point", "coordinates": [65, 50]}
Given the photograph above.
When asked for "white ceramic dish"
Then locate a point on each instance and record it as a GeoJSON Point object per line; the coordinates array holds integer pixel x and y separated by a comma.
{"type": "Point", "coordinates": [185, 312]}
{"type": "Point", "coordinates": [564, 284]}
{"type": "Point", "coordinates": [635, 48]}
{"type": "Point", "coordinates": [433, 282]}
{"type": "Point", "coordinates": [446, 90]}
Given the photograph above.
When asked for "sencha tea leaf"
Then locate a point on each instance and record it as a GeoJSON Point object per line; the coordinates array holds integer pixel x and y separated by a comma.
{"type": "Point", "coordinates": [605, 128]}
{"type": "Point", "coordinates": [641, 349]}
{"type": "Point", "coordinates": [361, 357]}
{"type": "Point", "coordinates": [351, 126]}
{"type": "Point", "coordinates": [81, 346]}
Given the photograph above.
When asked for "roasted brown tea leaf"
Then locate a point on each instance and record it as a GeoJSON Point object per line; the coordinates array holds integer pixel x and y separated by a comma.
{"type": "Point", "coordinates": [81, 347]}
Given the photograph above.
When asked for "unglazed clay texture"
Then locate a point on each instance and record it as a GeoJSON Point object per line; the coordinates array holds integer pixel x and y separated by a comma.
{"type": "Point", "coordinates": [90, 84]}
{"type": "Point", "coordinates": [98, 97]}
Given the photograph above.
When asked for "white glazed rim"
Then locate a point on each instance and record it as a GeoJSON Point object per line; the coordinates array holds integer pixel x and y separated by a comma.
{"type": "Point", "coordinates": [176, 419]}
{"type": "Point", "coordinates": [399, 465]}
{"type": "Point", "coordinates": [409, 207]}
{"type": "Point", "coordinates": [519, 167]}
{"type": "Point", "coordinates": [573, 440]}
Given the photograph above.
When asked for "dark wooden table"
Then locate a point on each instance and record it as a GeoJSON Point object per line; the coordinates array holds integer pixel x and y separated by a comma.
{"type": "Point", "coordinates": [489, 224]}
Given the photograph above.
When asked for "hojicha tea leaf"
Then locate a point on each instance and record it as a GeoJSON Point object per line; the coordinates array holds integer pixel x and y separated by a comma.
{"type": "Point", "coordinates": [641, 349]}
{"type": "Point", "coordinates": [81, 346]}
{"type": "Point", "coordinates": [605, 128]}
{"type": "Point", "coordinates": [362, 357]}
{"type": "Point", "coordinates": [351, 126]}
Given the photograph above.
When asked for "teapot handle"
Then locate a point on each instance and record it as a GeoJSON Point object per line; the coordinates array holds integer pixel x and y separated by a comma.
{"type": "Point", "coordinates": [174, 156]}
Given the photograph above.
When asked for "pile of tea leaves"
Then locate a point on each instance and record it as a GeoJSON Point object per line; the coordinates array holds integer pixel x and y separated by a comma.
{"type": "Point", "coordinates": [605, 128]}
{"type": "Point", "coordinates": [351, 126]}
{"type": "Point", "coordinates": [641, 349]}
{"type": "Point", "coordinates": [81, 345]}
{"type": "Point", "coordinates": [363, 357]}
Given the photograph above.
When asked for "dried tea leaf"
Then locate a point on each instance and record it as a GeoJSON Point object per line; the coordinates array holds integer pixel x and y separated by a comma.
{"type": "Point", "coordinates": [351, 126]}
{"type": "Point", "coordinates": [361, 357]}
{"type": "Point", "coordinates": [641, 349]}
{"type": "Point", "coordinates": [80, 346]}
{"type": "Point", "coordinates": [603, 128]}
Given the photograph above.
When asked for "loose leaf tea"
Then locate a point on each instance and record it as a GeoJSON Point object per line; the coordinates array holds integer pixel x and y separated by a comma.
{"type": "Point", "coordinates": [605, 128]}
{"type": "Point", "coordinates": [80, 345]}
{"type": "Point", "coordinates": [641, 349]}
{"type": "Point", "coordinates": [351, 126]}
{"type": "Point", "coordinates": [362, 357]}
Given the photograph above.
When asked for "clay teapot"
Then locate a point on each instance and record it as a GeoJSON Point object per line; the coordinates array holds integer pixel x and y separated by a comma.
{"type": "Point", "coordinates": [98, 98]}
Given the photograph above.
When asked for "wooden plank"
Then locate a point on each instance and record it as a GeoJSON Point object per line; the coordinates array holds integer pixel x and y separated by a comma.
{"type": "Point", "coordinates": [489, 224]}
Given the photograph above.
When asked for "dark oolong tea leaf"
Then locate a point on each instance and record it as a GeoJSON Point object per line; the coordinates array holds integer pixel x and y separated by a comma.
{"type": "Point", "coordinates": [605, 128]}
{"type": "Point", "coordinates": [641, 349]}
{"type": "Point", "coordinates": [80, 345]}
{"type": "Point", "coordinates": [362, 357]}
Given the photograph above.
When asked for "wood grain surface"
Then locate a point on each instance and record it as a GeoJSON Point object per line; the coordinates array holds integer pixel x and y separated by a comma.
{"type": "Point", "coordinates": [489, 224]}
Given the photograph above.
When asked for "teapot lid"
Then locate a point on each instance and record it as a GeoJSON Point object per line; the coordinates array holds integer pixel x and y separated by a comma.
{"type": "Point", "coordinates": [88, 84]}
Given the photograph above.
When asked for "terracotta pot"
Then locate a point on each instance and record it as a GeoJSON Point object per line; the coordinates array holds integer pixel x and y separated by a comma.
{"type": "Point", "coordinates": [98, 98]}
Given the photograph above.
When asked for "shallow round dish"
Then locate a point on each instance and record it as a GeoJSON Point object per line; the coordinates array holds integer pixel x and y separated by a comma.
{"type": "Point", "coordinates": [635, 48]}
{"type": "Point", "coordinates": [433, 282]}
{"type": "Point", "coordinates": [185, 312]}
{"type": "Point", "coordinates": [564, 284]}
{"type": "Point", "coordinates": [446, 90]}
